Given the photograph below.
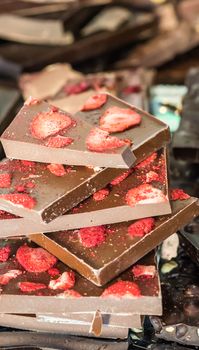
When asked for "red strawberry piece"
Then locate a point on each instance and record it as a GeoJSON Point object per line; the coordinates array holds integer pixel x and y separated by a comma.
{"type": "Point", "coordinates": [144, 194]}
{"type": "Point", "coordinates": [99, 141]}
{"type": "Point", "coordinates": [151, 176]}
{"type": "Point", "coordinates": [132, 89]}
{"type": "Point", "coordinates": [92, 236]}
{"type": "Point", "coordinates": [46, 124]}
{"type": "Point", "coordinates": [30, 184]}
{"type": "Point", "coordinates": [70, 293]}
{"type": "Point", "coordinates": [22, 199]}
{"type": "Point", "coordinates": [5, 253]}
{"type": "Point", "coordinates": [141, 227]}
{"type": "Point", "coordinates": [94, 102]}
{"type": "Point", "coordinates": [117, 119]}
{"type": "Point", "coordinates": [30, 286]}
{"type": "Point", "coordinates": [53, 271]}
{"type": "Point", "coordinates": [58, 141]}
{"type": "Point", "coordinates": [20, 188]}
{"type": "Point", "coordinates": [122, 289]}
{"type": "Point", "coordinates": [101, 194]}
{"type": "Point", "coordinates": [4, 215]}
{"type": "Point", "coordinates": [8, 276]}
{"type": "Point", "coordinates": [121, 177]}
{"type": "Point", "coordinates": [177, 193]}
{"type": "Point", "coordinates": [73, 89]}
{"type": "Point", "coordinates": [64, 282]}
{"type": "Point", "coordinates": [35, 259]}
{"type": "Point", "coordinates": [31, 101]}
{"type": "Point", "coordinates": [5, 180]}
{"type": "Point", "coordinates": [147, 161]}
{"type": "Point", "coordinates": [28, 163]}
{"type": "Point", "coordinates": [57, 169]}
{"type": "Point", "coordinates": [147, 271]}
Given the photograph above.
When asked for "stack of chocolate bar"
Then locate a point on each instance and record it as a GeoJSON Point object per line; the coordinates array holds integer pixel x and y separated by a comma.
{"type": "Point", "coordinates": [84, 201]}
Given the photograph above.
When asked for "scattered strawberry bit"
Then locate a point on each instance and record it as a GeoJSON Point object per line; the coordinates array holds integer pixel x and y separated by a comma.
{"type": "Point", "coordinates": [70, 293]}
{"type": "Point", "coordinates": [30, 286]}
{"type": "Point", "coordinates": [5, 253]}
{"type": "Point", "coordinates": [151, 176]}
{"type": "Point", "coordinates": [30, 184]}
{"type": "Point", "coordinates": [57, 169]}
{"type": "Point", "coordinates": [31, 101]}
{"type": "Point", "coordinates": [20, 188]}
{"type": "Point", "coordinates": [121, 177]}
{"type": "Point", "coordinates": [132, 89]}
{"type": "Point", "coordinates": [144, 194]}
{"type": "Point", "coordinates": [92, 236]}
{"type": "Point", "coordinates": [147, 161]}
{"type": "Point", "coordinates": [53, 271]}
{"type": "Point", "coordinates": [101, 194]}
{"type": "Point", "coordinates": [58, 141]}
{"type": "Point", "coordinates": [54, 109]}
{"type": "Point", "coordinates": [4, 215]}
{"type": "Point", "coordinates": [5, 180]}
{"type": "Point", "coordinates": [94, 102]}
{"type": "Point", "coordinates": [99, 141]}
{"type": "Point", "coordinates": [46, 124]}
{"type": "Point", "coordinates": [73, 89]}
{"type": "Point", "coordinates": [141, 227]}
{"type": "Point", "coordinates": [117, 119]}
{"type": "Point", "coordinates": [64, 282]}
{"type": "Point", "coordinates": [35, 259]}
{"type": "Point", "coordinates": [22, 199]}
{"type": "Point", "coordinates": [8, 276]}
{"type": "Point", "coordinates": [178, 193]}
{"type": "Point", "coordinates": [28, 163]}
{"type": "Point", "coordinates": [122, 289]}
{"type": "Point", "coordinates": [147, 271]}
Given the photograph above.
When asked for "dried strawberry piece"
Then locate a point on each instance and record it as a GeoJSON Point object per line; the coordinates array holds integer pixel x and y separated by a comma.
{"type": "Point", "coordinates": [99, 141]}
{"type": "Point", "coordinates": [5, 253]}
{"type": "Point", "coordinates": [73, 89]}
{"type": "Point", "coordinates": [64, 282]}
{"type": "Point", "coordinates": [20, 188]}
{"type": "Point", "coordinates": [8, 276]}
{"type": "Point", "coordinates": [5, 180]}
{"type": "Point", "coordinates": [53, 271]}
{"type": "Point", "coordinates": [101, 194]}
{"type": "Point", "coordinates": [22, 199]}
{"type": "Point", "coordinates": [30, 184]}
{"type": "Point", "coordinates": [28, 163]}
{"type": "Point", "coordinates": [117, 119]}
{"type": "Point", "coordinates": [147, 161]}
{"type": "Point", "coordinates": [31, 101]}
{"type": "Point", "coordinates": [122, 289]}
{"type": "Point", "coordinates": [4, 215]}
{"type": "Point", "coordinates": [94, 102]}
{"type": "Point", "coordinates": [70, 293]}
{"type": "Point", "coordinates": [178, 193]}
{"type": "Point", "coordinates": [147, 271]}
{"type": "Point", "coordinates": [92, 236]}
{"type": "Point", "coordinates": [30, 286]}
{"type": "Point", "coordinates": [141, 227]}
{"type": "Point", "coordinates": [144, 194]}
{"type": "Point", "coordinates": [151, 176]}
{"type": "Point", "coordinates": [46, 124]}
{"type": "Point", "coordinates": [132, 89]}
{"type": "Point", "coordinates": [58, 141]}
{"type": "Point", "coordinates": [121, 177]}
{"type": "Point", "coordinates": [57, 169]}
{"type": "Point", "coordinates": [35, 259]}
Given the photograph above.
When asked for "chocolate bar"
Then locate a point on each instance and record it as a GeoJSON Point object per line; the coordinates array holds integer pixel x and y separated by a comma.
{"type": "Point", "coordinates": [180, 288]}
{"type": "Point", "coordinates": [190, 234]}
{"type": "Point", "coordinates": [102, 253]}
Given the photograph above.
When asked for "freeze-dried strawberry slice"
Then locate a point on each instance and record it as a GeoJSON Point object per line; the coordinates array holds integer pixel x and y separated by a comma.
{"type": "Point", "coordinates": [57, 169]}
{"type": "Point", "coordinates": [121, 177]}
{"type": "Point", "coordinates": [22, 199]}
{"type": "Point", "coordinates": [99, 141]}
{"type": "Point", "coordinates": [30, 286]}
{"type": "Point", "coordinates": [177, 193]}
{"type": "Point", "coordinates": [141, 227]}
{"type": "Point", "coordinates": [101, 194]}
{"type": "Point", "coordinates": [147, 161]}
{"type": "Point", "coordinates": [92, 236]}
{"type": "Point", "coordinates": [8, 276]}
{"type": "Point", "coordinates": [58, 141]}
{"type": "Point", "coordinates": [122, 289]}
{"type": "Point", "coordinates": [132, 89]}
{"type": "Point", "coordinates": [151, 176]}
{"type": "Point", "coordinates": [70, 293]}
{"type": "Point", "coordinates": [5, 253]}
{"type": "Point", "coordinates": [46, 124]}
{"type": "Point", "coordinates": [94, 102]}
{"type": "Point", "coordinates": [147, 271]}
{"type": "Point", "coordinates": [35, 259]}
{"type": "Point", "coordinates": [144, 194]}
{"type": "Point", "coordinates": [5, 180]}
{"type": "Point", "coordinates": [117, 119]}
{"type": "Point", "coordinates": [53, 271]}
{"type": "Point", "coordinates": [64, 282]}
{"type": "Point", "coordinates": [28, 163]}
{"type": "Point", "coordinates": [73, 89]}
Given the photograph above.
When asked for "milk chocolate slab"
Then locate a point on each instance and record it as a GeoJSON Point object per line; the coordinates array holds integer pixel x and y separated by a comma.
{"type": "Point", "coordinates": [118, 249]}
{"type": "Point", "coordinates": [20, 143]}
{"type": "Point", "coordinates": [190, 233]}
{"type": "Point", "coordinates": [89, 299]}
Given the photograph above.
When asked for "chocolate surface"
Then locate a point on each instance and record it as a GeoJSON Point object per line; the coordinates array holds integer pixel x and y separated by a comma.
{"type": "Point", "coordinates": [119, 250]}
{"type": "Point", "coordinates": [190, 234]}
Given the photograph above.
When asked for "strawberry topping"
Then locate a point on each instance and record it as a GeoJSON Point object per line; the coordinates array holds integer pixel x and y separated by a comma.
{"type": "Point", "coordinates": [5, 180]}
{"type": "Point", "coordinates": [177, 193]}
{"type": "Point", "coordinates": [8, 276]}
{"type": "Point", "coordinates": [22, 199]}
{"type": "Point", "coordinates": [70, 293]}
{"type": "Point", "coordinates": [28, 163]}
{"type": "Point", "coordinates": [64, 282]}
{"type": "Point", "coordinates": [58, 141]}
{"type": "Point", "coordinates": [121, 177]}
{"type": "Point", "coordinates": [101, 194]}
{"type": "Point", "coordinates": [99, 141]}
{"type": "Point", "coordinates": [35, 259]}
{"type": "Point", "coordinates": [117, 119]}
{"type": "Point", "coordinates": [144, 194]}
{"type": "Point", "coordinates": [30, 286]}
{"type": "Point", "coordinates": [94, 102]}
{"type": "Point", "coordinates": [144, 271]}
{"type": "Point", "coordinates": [141, 227]}
{"type": "Point", "coordinates": [5, 253]}
{"type": "Point", "coordinates": [92, 236]}
{"type": "Point", "coordinates": [53, 271]}
{"type": "Point", "coordinates": [146, 162]}
{"type": "Point", "coordinates": [57, 169]}
{"type": "Point", "coordinates": [122, 289]}
{"type": "Point", "coordinates": [151, 176]}
{"type": "Point", "coordinates": [73, 89]}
